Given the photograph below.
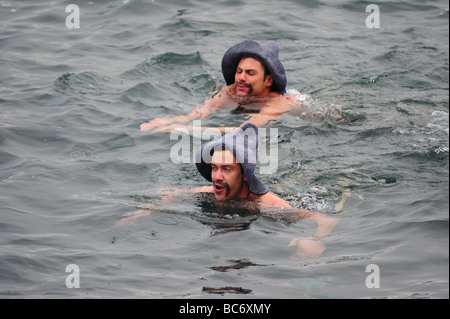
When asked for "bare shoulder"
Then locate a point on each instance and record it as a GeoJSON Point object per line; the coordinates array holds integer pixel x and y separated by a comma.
{"type": "Point", "coordinates": [219, 99]}
{"type": "Point", "coordinates": [290, 101]}
{"type": "Point", "coordinates": [204, 189]}
{"type": "Point", "coordinates": [278, 104]}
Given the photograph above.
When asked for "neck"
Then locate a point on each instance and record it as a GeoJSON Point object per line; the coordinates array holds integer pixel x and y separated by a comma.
{"type": "Point", "coordinates": [244, 192]}
{"type": "Point", "coordinates": [264, 94]}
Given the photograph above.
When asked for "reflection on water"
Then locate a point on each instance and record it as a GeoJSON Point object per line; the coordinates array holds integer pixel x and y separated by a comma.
{"type": "Point", "coordinates": [235, 264]}
{"type": "Point", "coordinates": [223, 290]}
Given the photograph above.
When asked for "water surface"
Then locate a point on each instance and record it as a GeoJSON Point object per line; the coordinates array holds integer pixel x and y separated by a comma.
{"type": "Point", "coordinates": [74, 164]}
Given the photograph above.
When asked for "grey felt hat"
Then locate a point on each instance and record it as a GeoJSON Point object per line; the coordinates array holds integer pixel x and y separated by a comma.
{"type": "Point", "coordinates": [267, 54]}
{"type": "Point", "coordinates": [243, 142]}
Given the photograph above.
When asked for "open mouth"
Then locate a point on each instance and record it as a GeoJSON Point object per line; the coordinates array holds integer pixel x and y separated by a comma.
{"type": "Point", "coordinates": [221, 188]}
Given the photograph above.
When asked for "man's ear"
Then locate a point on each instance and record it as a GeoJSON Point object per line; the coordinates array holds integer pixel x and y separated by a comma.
{"type": "Point", "coordinates": [269, 81]}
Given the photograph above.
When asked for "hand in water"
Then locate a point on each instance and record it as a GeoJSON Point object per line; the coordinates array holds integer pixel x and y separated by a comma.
{"type": "Point", "coordinates": [160, 124]}
{"type": "Point", "coordinates": [169, 128]}
{"type": "Point", "coordinates": [307, 248]}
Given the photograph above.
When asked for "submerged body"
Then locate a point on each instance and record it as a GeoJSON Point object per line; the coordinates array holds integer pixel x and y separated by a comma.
{"type": "Point", "coordinates": [228, 164]}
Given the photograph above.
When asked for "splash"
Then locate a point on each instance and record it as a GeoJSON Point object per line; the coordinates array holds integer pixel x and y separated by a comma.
{"type": "Point", "coordinates": [316, 198]}
{"type": "Point", "coordinates": [316, 109]}
{"type": "Point", "coordinates": [431, 139]}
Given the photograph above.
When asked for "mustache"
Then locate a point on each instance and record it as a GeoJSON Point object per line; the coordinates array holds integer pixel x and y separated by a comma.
{"type": "Point", "coordinates": [225, 185]}
{"type": "Point", "coordinates": [244, 84]}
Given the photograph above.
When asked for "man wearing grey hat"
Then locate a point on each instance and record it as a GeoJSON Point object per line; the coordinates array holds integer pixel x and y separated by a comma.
{"type": "Point", "coordinates": [254, 76]}
{"type": "Point", "coordinates": [229, 163]}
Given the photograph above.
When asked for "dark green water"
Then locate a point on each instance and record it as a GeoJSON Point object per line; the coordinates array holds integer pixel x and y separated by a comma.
{"type": "Point", "coordinates": [73, 162]}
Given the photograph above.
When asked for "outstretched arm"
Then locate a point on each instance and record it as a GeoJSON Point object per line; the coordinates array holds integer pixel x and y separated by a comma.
{"type": "Point", "coordinates": [313, 246]}
{"type": "Point", "coordinates": [212, 104]}
{"type": "Point", "coordinates": [167, 195]}
{"type": "Point", "coordinates": [164, 124]}
{"type": "Point", "coordinates": [307, 247]}
{"type": "Point", "coordinates": [325, 224]}
{"type": "Point", "coordinates": [258, 119]}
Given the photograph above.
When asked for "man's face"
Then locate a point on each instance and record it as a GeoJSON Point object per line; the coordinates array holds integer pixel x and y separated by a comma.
{"type": "Point", "coordinates": [226, 175]}
{"type": "Point", "coordinates": [250, 80]}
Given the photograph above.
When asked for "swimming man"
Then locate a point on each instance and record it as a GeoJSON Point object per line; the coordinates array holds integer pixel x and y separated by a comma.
{"type": "Point", "coordinates": [256, 81]}
{"type": "Point", "coordinates": [229, 163]}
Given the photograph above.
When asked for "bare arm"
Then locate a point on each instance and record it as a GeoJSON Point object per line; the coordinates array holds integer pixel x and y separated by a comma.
{"type": "Point", "coordinates": [313, 246]}
{"type": "Point", "coordinates": [163, 124]}
{"type": "Point", "coordinates": [258, 119]}
{"type": "Point", "coordinates": [325, 224]}
{"type": "Point", "coordinates": [167, 195]}
{"type": "Point", "coordinates": [215, 102]}
{"type": "Point", "coordinates": [306, 247]}
{"type": "Point", "coordinates": [199, 112]}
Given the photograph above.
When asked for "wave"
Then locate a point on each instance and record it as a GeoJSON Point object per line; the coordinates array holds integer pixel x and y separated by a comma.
{"type": "Point", "coordinates": [86, 84]}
